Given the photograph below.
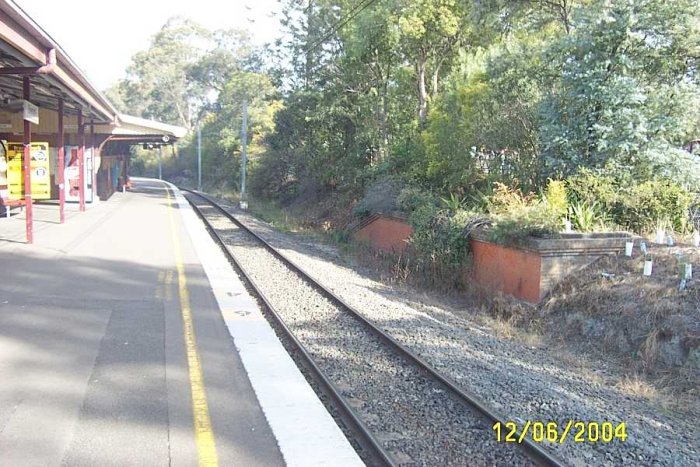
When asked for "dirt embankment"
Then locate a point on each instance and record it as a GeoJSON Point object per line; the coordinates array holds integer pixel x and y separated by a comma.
{"type": "Point", "coordinates": [648, 322]}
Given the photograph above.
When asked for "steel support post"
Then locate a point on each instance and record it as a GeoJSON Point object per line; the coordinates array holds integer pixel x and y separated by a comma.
{"type": "Point", "coordinates": [26, 166]}
{"type": "Point", "coordinates": [60, 176]}
{"type": "Point", "coordinates": [81, 160]}
{"type": "Point", "coordinates": [93, 153]}
{"type": "Point", "coordinates": [199, 158]}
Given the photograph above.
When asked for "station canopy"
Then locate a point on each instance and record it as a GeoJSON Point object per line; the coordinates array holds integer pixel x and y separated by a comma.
{"type": "Point", "coordinates": [26, 50]}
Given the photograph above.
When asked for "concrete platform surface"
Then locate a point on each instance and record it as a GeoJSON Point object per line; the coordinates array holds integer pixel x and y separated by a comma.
{"type": "Point", "coordinates": [99, 364]}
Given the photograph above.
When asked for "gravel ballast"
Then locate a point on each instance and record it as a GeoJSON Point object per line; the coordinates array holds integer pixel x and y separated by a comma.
{"type": "Point", "coordinates": [524, 382]}
{"type": "Point", "coordinates": [415, 419]}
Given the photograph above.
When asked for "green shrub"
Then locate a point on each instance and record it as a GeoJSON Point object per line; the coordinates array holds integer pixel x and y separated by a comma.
{"type": "Point", "coordinates": [380, 197]}
{"type": "Point", "coordinates": [633, 204]}
{"type": "Point", "coordinates": [411, 198]}
{"type": "Point", "coordinates": [649, 201]}
{"type": "Point", "coordinates": [516, 216]}
{"type": "Point", "coordinates": [587, 217]}
{"type": "Point", "coordinates": [590, 187]}
{"type": "Point", "coordinates": [438, 234]}
{"type": "Point", "coordinates": [454, 203]}
{"type": "Point", "coordinates": [556, 198]}
{"type": "Point", "coordinates": [516, 224]}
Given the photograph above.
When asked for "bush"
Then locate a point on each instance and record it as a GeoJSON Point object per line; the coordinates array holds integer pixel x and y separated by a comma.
{"type": "Point", "coordinates": [592, 187]}
{"type": "Point", "coordinates": [439, 248]}
{"type": "Point", "coordinates": [647, 202]}
{"type": "Point", "coordinates": [513, 226]}
{"type": "Point", "coordinates": [437, 234]}
{"type": "Point", "coordinates": [380, 197]}
{"type": "Point", "coordinates": [587, 217]}
{"type": "Point", "coordinates": [630, 203]}
{"type": "Point", "coordinates": [411, 198]}
{"type": "Point", "coordinates": [556, 198]}
{"type": "Point", "coordinates": [516, 216]}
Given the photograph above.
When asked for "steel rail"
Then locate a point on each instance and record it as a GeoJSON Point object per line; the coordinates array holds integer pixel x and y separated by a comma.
{"type": "Point", "coordinates": [535, 451]}
{"type": "Point", "coordinates": [365, 437]}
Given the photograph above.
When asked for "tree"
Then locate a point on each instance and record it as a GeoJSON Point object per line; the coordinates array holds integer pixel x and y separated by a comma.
{"type": "Point", "coordinates": [221, 129]}
{"type": "Point", "coordinates": [157, 83]}
{"type": "Point", "coordinates": [629, 71]}
{"type": "Point", "coordinates": [430, 31]}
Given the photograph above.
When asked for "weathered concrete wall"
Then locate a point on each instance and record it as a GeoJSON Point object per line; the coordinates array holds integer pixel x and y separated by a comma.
{"type": "Point", "coordinates": [387, 234]}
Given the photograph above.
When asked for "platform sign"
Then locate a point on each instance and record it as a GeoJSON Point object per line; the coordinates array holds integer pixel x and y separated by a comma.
{"type": "Point", "coordinates": [40, 167]}
{"type": "Point", "coordinates": [30, 112]}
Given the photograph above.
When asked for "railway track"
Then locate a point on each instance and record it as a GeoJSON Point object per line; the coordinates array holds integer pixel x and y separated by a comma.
{"type": "Point", "coordinates": [399, 409]}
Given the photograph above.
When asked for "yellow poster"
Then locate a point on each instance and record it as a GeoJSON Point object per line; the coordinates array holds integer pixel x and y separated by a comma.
{"type": "Point", "coordinates": [39, 167]}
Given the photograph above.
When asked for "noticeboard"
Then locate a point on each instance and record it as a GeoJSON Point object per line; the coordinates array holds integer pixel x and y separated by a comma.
{"type": "Point", "coordinates": [40, 168]}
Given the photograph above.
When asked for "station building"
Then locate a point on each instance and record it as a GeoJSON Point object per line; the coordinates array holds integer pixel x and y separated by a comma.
{"type": "Point", "coordinates": [50, 114]}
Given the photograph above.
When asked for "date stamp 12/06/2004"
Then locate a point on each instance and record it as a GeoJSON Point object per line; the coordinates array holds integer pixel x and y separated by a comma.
{"type": "Point", "coordinates": [576, 431]}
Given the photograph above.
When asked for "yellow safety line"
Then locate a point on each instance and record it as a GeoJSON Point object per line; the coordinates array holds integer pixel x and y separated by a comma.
{"type": "Point", "coordinates": [204, 434]}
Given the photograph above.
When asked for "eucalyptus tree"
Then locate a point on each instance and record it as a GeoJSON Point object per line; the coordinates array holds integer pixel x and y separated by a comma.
{"type": "Point", "coordinates": [629, 90]}
{"type": "Point", "coordinates": [157, 84]}
{"type": "Point", "coordinates": [430, 31]}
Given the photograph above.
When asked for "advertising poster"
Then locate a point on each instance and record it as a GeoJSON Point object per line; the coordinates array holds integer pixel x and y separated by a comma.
{"type": "Point", "coordinates": [72, 175]}
{"type": "Point", "coordinates": [40, 167]}
{"type": "Point", "coordinates": [3, 173]}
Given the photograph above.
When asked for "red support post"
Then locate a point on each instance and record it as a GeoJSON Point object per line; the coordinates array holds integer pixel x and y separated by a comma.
{"type": "Point", "coordinates": [81, 160]}
{"type": "Point", "coordinates": [61, 161]}
{"type": "Point", "coordinates": [93, 151]}
{"type": "Point", "coordinates": [26, 165]}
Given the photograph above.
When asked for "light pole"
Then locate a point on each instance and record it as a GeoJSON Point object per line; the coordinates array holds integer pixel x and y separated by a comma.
{"type": "Point", "coordinates": [199, 158]}
{"type": "Point", "coordinates": [244, 138]}
{"type": "Point", "coordinates": [160, 162]}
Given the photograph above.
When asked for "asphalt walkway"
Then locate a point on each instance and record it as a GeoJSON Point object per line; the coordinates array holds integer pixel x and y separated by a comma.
{"type": "Point", "coordinates": [98, 362]}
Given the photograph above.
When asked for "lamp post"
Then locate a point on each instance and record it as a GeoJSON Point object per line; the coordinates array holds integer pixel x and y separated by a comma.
{"type": "Point", "coordinates": [160, 162]}
{"type": "Point", "coordinates": [199, 158]}
{"type": "Point", "coordinates": [244, 158]}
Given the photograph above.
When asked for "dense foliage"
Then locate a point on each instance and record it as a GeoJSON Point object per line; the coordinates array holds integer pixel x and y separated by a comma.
{"type": "Point", "coordinates": [197, 78]}
{"type": "Point", "coordinates": [397, 104]}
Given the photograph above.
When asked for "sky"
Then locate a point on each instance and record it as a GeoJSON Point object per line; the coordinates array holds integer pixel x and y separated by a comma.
{"type": "Point", "coordinates": [111, 32]}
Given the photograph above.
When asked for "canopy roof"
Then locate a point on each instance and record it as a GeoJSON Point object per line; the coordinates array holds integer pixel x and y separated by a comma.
{"type": "Point", "coordinates": [27, 50]}
{"type": "Point", "coordinates": [128, 125]}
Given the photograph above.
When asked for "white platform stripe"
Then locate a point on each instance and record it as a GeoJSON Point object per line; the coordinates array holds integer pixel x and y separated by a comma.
{"type": "Point", "coordinates": [306, 433]}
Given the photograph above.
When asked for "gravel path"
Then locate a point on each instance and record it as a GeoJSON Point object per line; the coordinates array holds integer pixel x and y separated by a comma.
{"type": "Point", "coordinates": [411, 415]}
{"type": "Point", "coordinates": [525, 382]}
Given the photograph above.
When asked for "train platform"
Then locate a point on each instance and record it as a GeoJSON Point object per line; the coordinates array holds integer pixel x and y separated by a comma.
{"type": "Point", "coordinates": [127, 339]}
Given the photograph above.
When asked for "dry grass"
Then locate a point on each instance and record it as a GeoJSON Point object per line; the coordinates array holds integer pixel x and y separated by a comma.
{"type": "Point", "coordinates": [611, 310]}
{"type": "Point", "coordinates": [650, 348]}
{"type": "Point", "coordinates": [510, 330]}
{"type": "Point", "coordinates": [636, 386]}
{"type": "Point", "coordinates": [410, 269]}
{"type": "Point", "coordinates": [512, 320]}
